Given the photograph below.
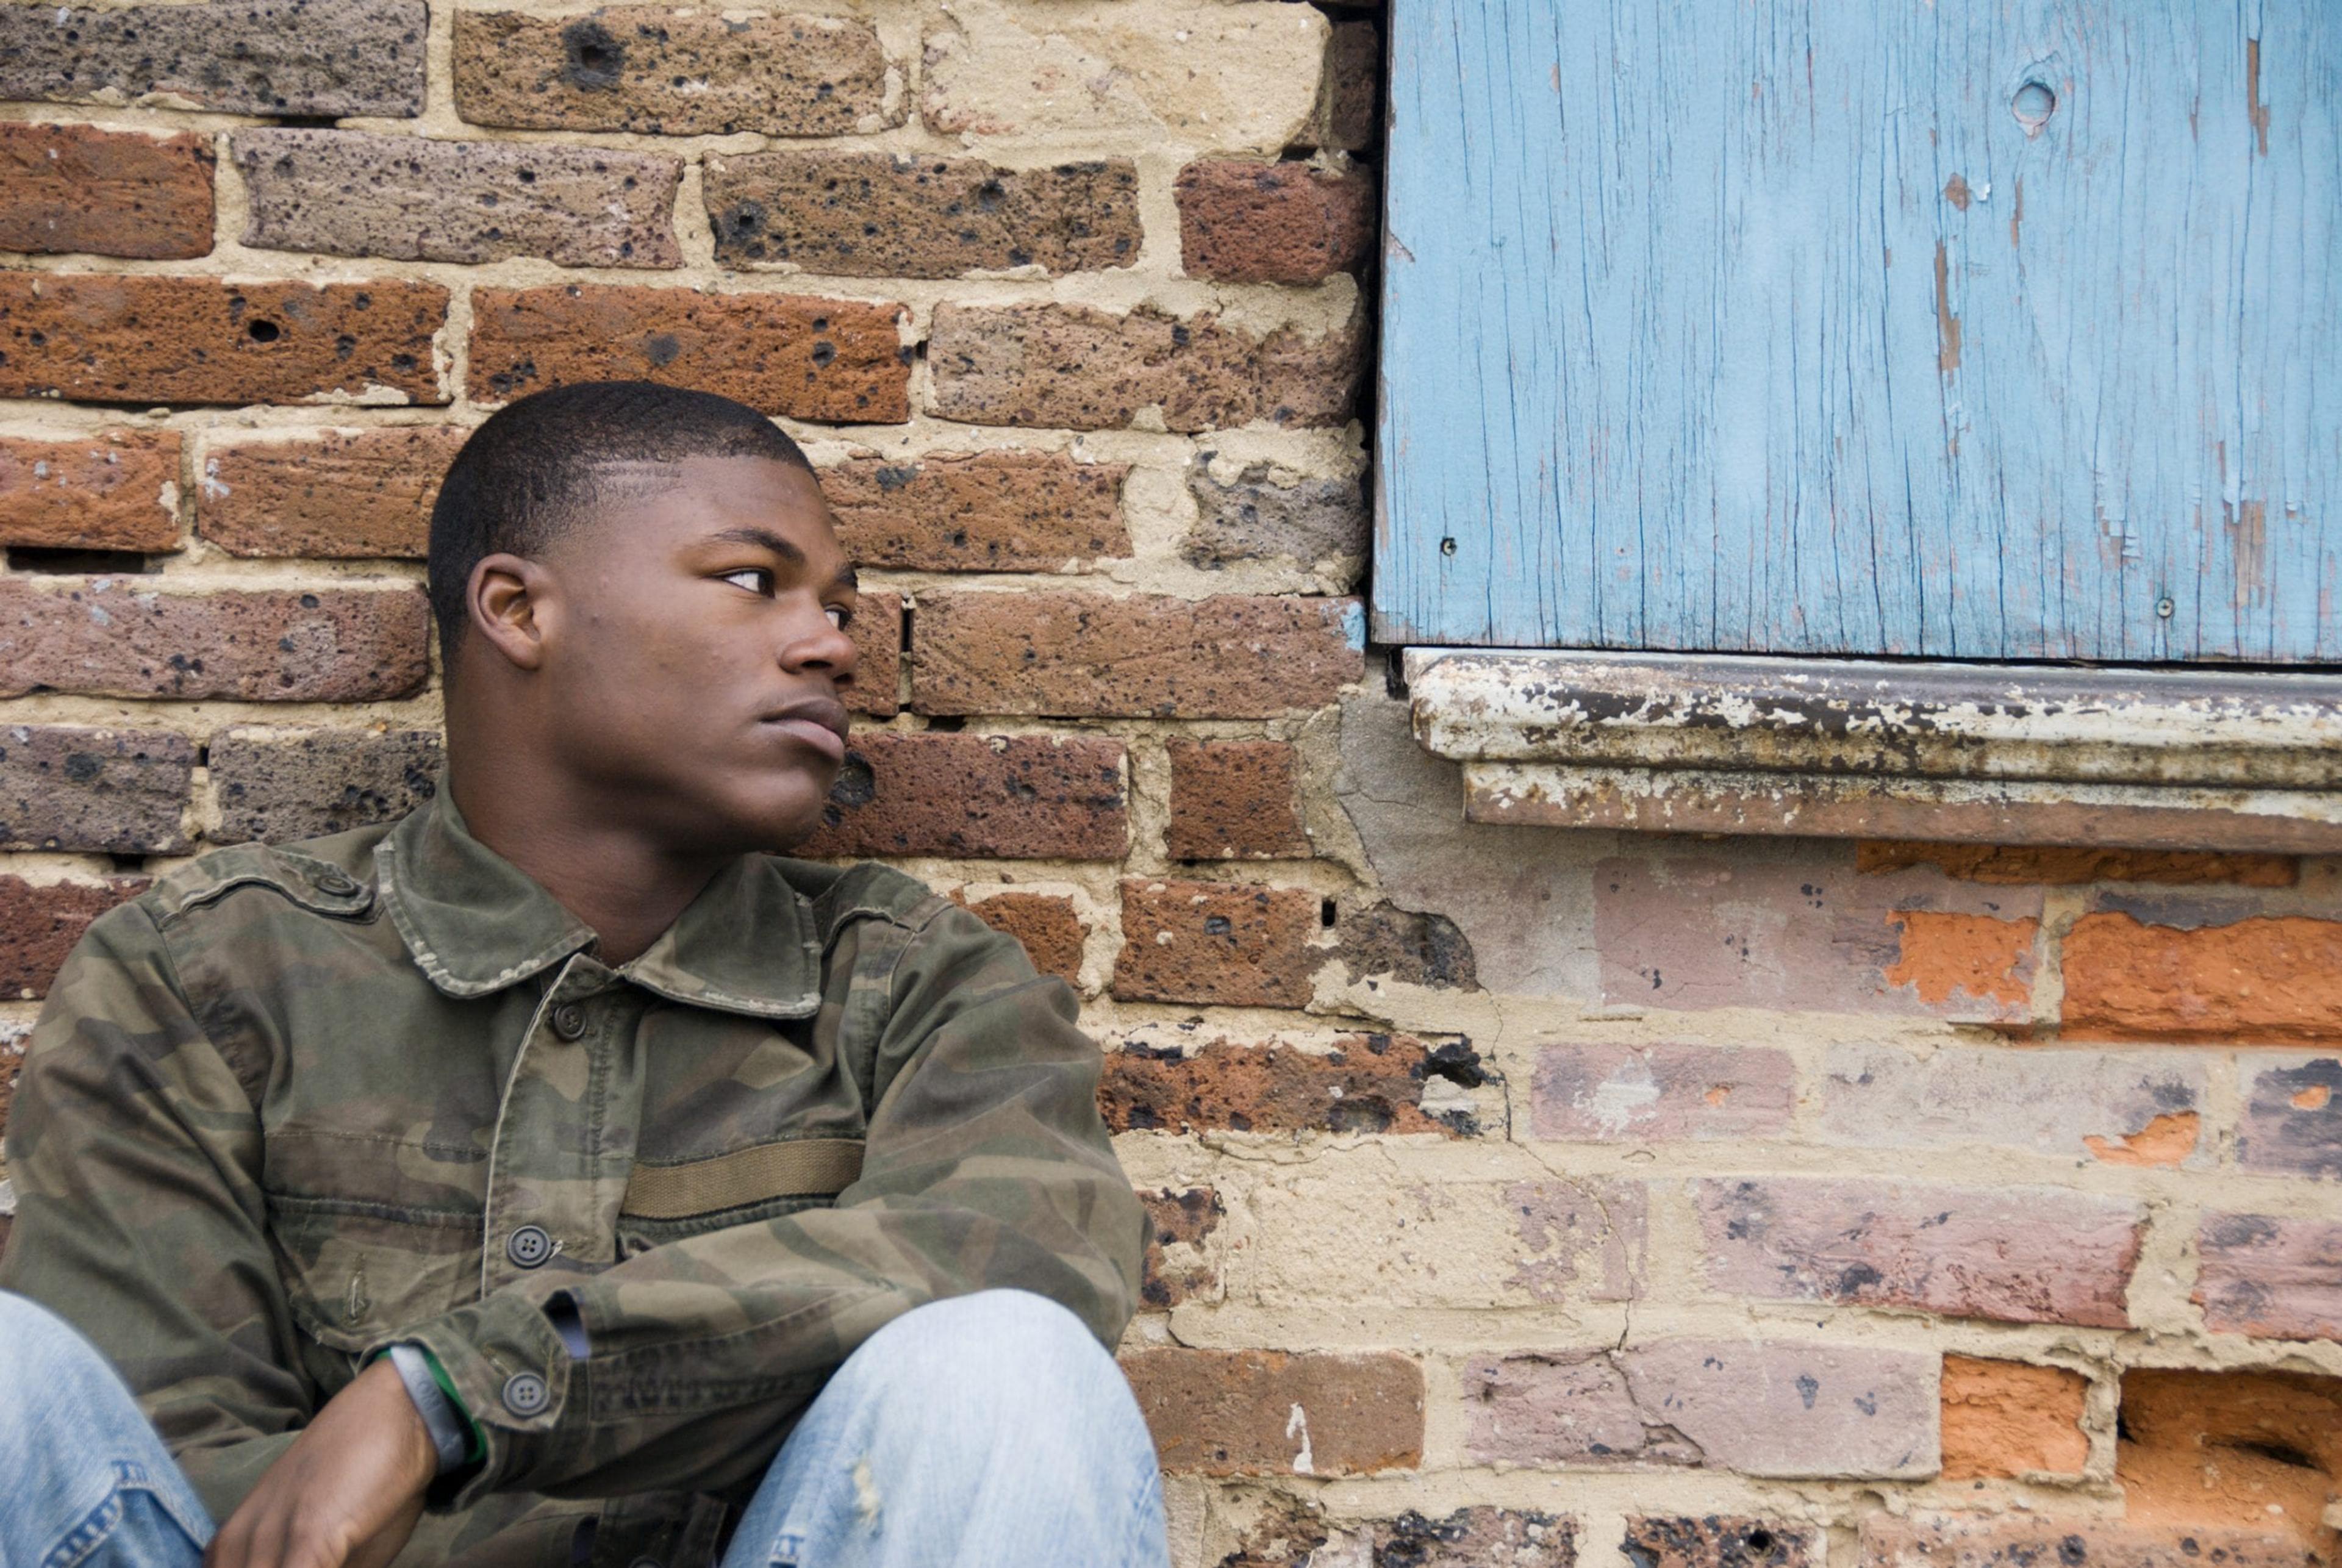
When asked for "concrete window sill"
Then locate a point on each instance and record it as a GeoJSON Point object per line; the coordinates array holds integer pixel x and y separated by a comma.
{"type": "Point", "coordinates": [1827, 748]}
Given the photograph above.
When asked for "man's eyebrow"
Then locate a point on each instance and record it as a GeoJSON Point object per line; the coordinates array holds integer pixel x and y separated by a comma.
{"type": "Point", "coordinates": [765, 539]}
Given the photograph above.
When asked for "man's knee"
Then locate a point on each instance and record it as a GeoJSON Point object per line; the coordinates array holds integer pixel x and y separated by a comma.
{"type": "Point", "coordinates": [43, 1363]}
{"type": "Point", "coordinates": [993, 1343]}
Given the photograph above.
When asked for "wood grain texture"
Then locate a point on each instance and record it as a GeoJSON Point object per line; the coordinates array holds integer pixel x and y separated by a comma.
{"type": "Point", "coordinates": [1762, 325]}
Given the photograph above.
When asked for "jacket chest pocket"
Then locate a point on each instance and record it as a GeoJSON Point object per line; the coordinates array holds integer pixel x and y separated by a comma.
{"type": "Point", "coordinates": [672, 1201]}
{"type": "Point", "coordinates": [356, 1273]}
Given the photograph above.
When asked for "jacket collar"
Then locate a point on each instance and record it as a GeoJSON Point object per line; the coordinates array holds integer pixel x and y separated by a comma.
{"type": "Point", "coordinates": [476, 924]}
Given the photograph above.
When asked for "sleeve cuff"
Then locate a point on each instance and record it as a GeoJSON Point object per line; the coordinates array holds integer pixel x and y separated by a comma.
{"type": "Point", "coordinates": [506, 1370]}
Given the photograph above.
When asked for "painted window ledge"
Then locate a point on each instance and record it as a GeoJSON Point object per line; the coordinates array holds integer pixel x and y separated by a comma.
{"type": "Point", "coordinates": [1675, 742]}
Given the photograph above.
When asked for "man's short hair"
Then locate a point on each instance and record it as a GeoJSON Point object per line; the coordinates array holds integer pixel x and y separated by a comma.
{"type": "Point", "coordinates": [539, 467]}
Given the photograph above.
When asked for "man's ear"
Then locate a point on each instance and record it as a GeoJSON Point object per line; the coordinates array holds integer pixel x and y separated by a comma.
{"type": "Point", "coordinates": [507, 598]}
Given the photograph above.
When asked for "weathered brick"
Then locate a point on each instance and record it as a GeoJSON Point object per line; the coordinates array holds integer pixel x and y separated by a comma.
{"type": "Point", "coordinates": [281, 786]}
{"type": "Point", "coordinates": [829, 359]}
{"type": "Point", "coordinates": [1020, 797]}
{"type": "Point", "coordinates": [40, 922]}
{"type": "Point", "coordinates": [2033, 862]}
{"type": "Point", "coordinates": [1046, 924]}
{"type": "Point", "coordinates": [2006, 1418]}
{"type": "Point", "coordinates": [877, 634]}
{"type": "Point", "coordinates": [1364, 1083]}
{"type": "Point", "coordinates": [1974, 966]}
{"type": "Point", "coordinates": [2014, 1254]}
{"type": "Point", "coordinates": [114, 490]}
{"type": "Point", "coordinates": [2267, 1274]}
{"type": "Point", "coordinates": [1271, 223]}
{"type": "Point", "coordinates": [105, 638]}
{"type": "Point", "coordinates": [1072, 367]}
{"type": "Point", "coordinates": [1265, 1413]}
{"type": "Point", "coordinates": [1311, 521]}
{"type": "Point", "coordinates": [1967, 1541]}
{"type": "Point", "coordinates": [147, 339]}
{"type": "Point", "coordinates": [67, 188]}
{"type": "Point", "coordinates": [1717, 1541]}
{"type": "Point", "coordinates": [2262, 979]}
{"type": "Point", "coordinates": [117, 792]}
{"type": "Point", "coordinates": [1384, 941]}
{"type": "Point", "coordinates": [1639, 1094]}
{"type": "Point", "coordinates": [2292, 1123]}
{"type": "Point", "coordinates": [2125, 1107]}
{"type": "Point", "coordinates": [323, 58]}
{"type": "Point", "coordinates": [1234, 800]}
{"type": "Point", "coordinates": [1182, 1219]}
{"type": "Point", "coordinates": [892, 215]}
{"type": "Point", "coordinates": [1235, 944]}
{"type": "Point", "coordinates": [1242, 76]}
{"type": "Point", "coordinates": [2246, 1450]}
{"type": "Point", "coordinates": [418, 198]}
{"type": "Point", "coordinates": [1345, 117]}
{"type": "Point", "coordinates": [1287, 1533]}
{"type": "Point", "coordinates": [1762, 1408]}
{"type": "Point", "coordinates": [989, 512]}
{"type": "Point", "coordinates": [682, 73]}
{"type": "Point", "coordinates": [1148, 655]}
{"type": "Point", "coordinates": [346, 494]}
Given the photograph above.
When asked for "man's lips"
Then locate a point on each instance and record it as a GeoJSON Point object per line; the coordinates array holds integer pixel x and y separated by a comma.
{"type": "Point", "coordinates": [818, 722]}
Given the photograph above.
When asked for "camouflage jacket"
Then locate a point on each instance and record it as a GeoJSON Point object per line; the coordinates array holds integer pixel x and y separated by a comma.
{"type": "Point", "coordinates": [292, 1105]}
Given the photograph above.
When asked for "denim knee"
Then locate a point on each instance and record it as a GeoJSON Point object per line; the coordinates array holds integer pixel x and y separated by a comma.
{"type": "Point", "coordinates": [1004, 1340]}
{"type": "Point", "coordinates": [40, 1353]}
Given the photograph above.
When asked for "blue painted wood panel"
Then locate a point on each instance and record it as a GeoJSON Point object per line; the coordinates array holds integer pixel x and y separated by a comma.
{"type": "Point", "coordinates": [1996, 329]}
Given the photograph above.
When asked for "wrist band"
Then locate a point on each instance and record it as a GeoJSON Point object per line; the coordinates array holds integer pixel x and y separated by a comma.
{"type": "Point", "coordinates": [448, 1434]}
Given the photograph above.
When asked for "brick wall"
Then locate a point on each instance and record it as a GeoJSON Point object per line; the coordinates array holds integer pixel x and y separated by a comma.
{"type": "Point", "coordinates": [1523, 1198]}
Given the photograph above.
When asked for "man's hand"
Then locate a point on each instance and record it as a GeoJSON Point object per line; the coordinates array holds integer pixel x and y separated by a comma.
{"type": "Point", "coordinates": [347, 1495]}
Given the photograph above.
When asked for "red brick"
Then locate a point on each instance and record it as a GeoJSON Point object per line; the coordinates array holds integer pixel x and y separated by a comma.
{"type": "Point", "coordinates": [2013, 1254]}
{"type": "Point", "coordinates": [1364, 1083]}
{"type": "Point", "coordinates": [1968, 1541]}
{"type": "Point", "coordinates": [1976, 967]}
{"type": "Point", "coordinates": [2026, 863]}
{"type": "Point", "coordinates": [120, 792]}
{"type": "Point", "coordinates": [1148, 655]}
{"type": "Point", "coordinates": [347, 495]}
{"type": "Point", "coordinates": [1645, 1094]}
{"type": "Point", "coordinates": [2244, 1450]}
{"type": "Point", "coordinates": [1234, 800]}
{"type": "Point", "coordinates": [2003, 1418]}
{"type": "Point", "coordinates": [2262, 979]}
{"type": "Point", "coordinates": [1266, 1412]}
{"type": "Point", "coordinates": [1273, 223]}
{"type": "Point", "coordinates": [117, 490]}
{"type": "Point", "coordinates": [828, 359]}
{"type": "Point", "coordinates": [1345, 116]}
{"type": "Point", "coordinates": [1719, 1540]}
{"type": "Point", "coordinates": [2270, 1275]}
{"type": "Point", "coordinates": [105, 637]}
{"type": "Point", "coordinates": [1022, 797]}
{"type": "Point", "coordinates": [1182, 1218]}
{"type": "Point", "coordinates": [146, 340]}
{"type": "Point", "coordinates": [40, 922]}
{"type": "Point", "coordinates": [891, 214]}
{"type": "Point", "coordinates": [1044, 924]}
{"type": "Point", "coordinates": [1230, 942]}
{"type": "Point", "coordinates": [1071, 367]}
{"type": "Point", "coordinates": [992, 512]}
{"type": "Point", "coordinates": [105, 193]}
{"type": "Point", "coordinates": [877, 634]}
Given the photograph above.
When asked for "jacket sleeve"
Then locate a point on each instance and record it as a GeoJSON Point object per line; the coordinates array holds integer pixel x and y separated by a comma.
{"type": "Point", "coordinates": [986, 1166]}
{"type": "Point", "coordinates": [134, 1151]}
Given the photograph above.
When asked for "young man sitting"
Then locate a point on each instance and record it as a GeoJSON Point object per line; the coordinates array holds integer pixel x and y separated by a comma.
{"type": "Point", "coordinates": [556, 1175]}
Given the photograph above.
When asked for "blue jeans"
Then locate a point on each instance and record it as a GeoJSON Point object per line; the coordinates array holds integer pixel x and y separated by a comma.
{"type": "Point", "coordinates": [988, 1429]}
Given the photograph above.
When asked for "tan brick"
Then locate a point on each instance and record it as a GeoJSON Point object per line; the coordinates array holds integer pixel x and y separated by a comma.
{"type": "Point", "coordinates": [1148, 655]}
{"type": "Point", "coordinates": [2003, 1418]}
{"type": "Point", "coordinates": [1273, 223]}
{"type": "Point", "coordinates": [1364, 1083]}
{"type": "Point", "coordinates": [2273, 979]}
{"type": "Point", "coordinates": [1182, 1218]}
{"type": "Point", "coordinates": [1234, 800]}
{"type": "Point", "coordinates": [1046, 924]}
{"type": "Point", "coordinates": [349, 495]}
{"type": "Point", "coordinates": [1218, 941]}
{"type": "Point", "coordinates": [1021, 797]}
{"type": "Point", "coordinates": [116, 792]}
{"type": "Point", "coordinates": [418, 198]}
{"type": "Point", "coordinates": [992, 512]}
{"type": "Point", "coordinates": [107, 638]}
{"type": "Point", "coordinates": [149, 340]}
{"type": "Point", "coordinates": [40, 922]}
{"type": "Point", "coordinates": [828, 359]}
{"type": "Point", "coordinates": [1967, 1541]}
{"type": "Point", "coordinates": [1230, 1413]}
{"type": "Point", "coordinates": [1071, 367]}
{"type": "Point", "coordinates": [117, 490]}
{"type": "Point", "coordinates": [890, 214]}
{"type": "Point", "coordinates": [105, 193]}
{"type": "Point", "coordinates": [1713, 1541]}
{"type": "Point", "coordinates": [323, 57]}
{"type": "Point", "coordinates": [278, 786]}
{"type": "Point", "coordinates": [683, 73]}
{"type": "Point", "coordinates": [2026, 863]}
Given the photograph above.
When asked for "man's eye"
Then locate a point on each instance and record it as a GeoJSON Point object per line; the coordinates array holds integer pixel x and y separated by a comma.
{"type": "Point", "coordinates": [754, 579]}
{"type": "Point", "coordinates": [839, 616]}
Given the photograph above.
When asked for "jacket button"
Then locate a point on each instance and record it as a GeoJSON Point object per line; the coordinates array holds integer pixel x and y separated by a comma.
{"type": "Point", "coordinates": [569, 1021]}
{"type": "Point", "coordinates": [526, 1394]}
{"type": "Point", "coordinates": [528, 1246]}
{"type": "Point", "coordinates": [336, 882]}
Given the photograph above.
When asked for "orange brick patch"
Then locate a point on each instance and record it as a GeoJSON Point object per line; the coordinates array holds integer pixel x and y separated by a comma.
{"type": "Point", "coordinates": [2273, 979]}
{"type": "Point", "coordinates": [1948, 958]}
{"type": "Point", "coordinates": [2005, 1418]}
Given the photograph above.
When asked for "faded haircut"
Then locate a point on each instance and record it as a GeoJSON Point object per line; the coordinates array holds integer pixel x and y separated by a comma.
{"type": "Point", "coordinates": [539, 467]}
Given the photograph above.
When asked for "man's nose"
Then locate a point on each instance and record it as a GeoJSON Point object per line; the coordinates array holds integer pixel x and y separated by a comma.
{"type": "Point", "coordinates": [821, 646]}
